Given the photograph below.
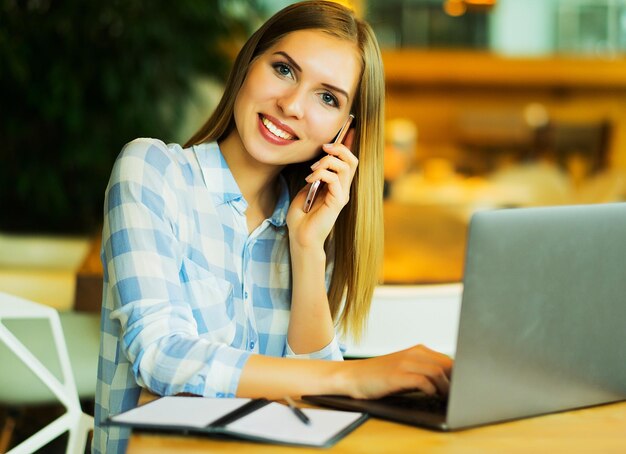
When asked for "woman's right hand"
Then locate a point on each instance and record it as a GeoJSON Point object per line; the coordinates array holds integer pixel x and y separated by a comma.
{"type": "Point", "coordinates": [416, 368]}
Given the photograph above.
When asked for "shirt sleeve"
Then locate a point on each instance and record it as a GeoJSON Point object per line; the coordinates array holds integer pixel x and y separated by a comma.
{"type": "Point", "coordinates": [331, 352]}
{"type": "Point", "coordinates": [142, 261]}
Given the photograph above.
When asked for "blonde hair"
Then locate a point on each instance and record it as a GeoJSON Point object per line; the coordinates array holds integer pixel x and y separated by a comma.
{"type": "Point", "coordinates": [358, 232]}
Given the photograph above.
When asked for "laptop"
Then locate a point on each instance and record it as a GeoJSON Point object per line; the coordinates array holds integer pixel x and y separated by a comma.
{"type": "Point", "coordinates": [542, 321]}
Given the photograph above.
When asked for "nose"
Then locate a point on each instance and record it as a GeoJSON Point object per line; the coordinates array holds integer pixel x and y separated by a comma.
{"type": "Point", "coordinates": [291, 102]}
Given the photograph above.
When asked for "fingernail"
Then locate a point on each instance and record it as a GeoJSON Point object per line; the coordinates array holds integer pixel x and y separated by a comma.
{"type": "Point", "coordinates": [327, 145]}
{"type": "Point", "coordinates": [315, 165]}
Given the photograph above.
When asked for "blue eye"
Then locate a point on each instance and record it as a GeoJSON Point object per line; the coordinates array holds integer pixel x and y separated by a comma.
{"type": "Point", "coordinates": [329, 99]}
{"type": "Point", "coordinates": [282, 69]}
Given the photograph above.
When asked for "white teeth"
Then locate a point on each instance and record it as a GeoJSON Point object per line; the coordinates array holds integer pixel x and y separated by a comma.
{"type": "Point", "coordinates": [275, 130]}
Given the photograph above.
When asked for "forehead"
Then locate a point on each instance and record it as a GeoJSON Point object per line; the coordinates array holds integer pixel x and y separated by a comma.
{"type": "Point", "coordinates": [323, 56]}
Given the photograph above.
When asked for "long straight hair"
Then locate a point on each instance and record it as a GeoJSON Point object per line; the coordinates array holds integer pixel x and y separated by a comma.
{"type": "Point", "coordinates": [358, 232]}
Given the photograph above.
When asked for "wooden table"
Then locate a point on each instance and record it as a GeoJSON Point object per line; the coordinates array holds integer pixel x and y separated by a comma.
{"type": "Point", "coordinates": [593, 430]}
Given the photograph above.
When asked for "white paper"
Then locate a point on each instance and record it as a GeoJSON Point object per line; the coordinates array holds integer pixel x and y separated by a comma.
{"type": "Point", "coordinates": [183, 411]}
{"type": "Point", "coordinates": [277, 422]}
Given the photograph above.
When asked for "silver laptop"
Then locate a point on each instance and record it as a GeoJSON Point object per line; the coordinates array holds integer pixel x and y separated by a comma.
{"type": "Point", "coordinates": [542, 321]}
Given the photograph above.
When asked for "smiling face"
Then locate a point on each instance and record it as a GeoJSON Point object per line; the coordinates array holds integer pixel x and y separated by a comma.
{"type": "Point", "coordinates": [296, 96]}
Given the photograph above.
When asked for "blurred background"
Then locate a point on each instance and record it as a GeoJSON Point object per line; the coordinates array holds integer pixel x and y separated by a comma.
{"type": "Point", "coordinates": [490, 103]}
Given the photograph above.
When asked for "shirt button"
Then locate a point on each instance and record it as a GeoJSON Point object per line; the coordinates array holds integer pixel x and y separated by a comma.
{"type": "Point", "coordinates": [252, 345]}
{"type": "Point", "coordinates": [245, 295]}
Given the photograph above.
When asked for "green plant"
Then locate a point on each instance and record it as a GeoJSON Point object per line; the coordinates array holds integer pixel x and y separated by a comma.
{"type": "Point", "coordinates": [79, 79]}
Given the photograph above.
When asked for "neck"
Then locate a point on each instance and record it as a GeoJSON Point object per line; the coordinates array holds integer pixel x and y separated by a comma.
{"type": "Point", "coordinates": [257, 181]}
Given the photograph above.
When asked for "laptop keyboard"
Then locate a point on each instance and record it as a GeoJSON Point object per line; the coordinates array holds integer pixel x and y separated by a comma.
{"type": "Point", "coordinates": [417, 401]}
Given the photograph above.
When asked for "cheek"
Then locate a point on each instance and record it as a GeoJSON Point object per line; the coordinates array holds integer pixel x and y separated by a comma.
{"type": "Point", "coordinates": [249, 91]}
{"type": "Point", "coordinates": [322, 130]}
{"type": "Point", "coordinates": [261, 85]}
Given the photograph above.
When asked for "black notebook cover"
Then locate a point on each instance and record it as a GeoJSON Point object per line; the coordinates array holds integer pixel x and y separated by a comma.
{"type": "Point", "coordinates": [255, 420]}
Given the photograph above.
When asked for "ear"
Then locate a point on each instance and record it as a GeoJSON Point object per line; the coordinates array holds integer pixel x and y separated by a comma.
{"type": "Point", "coordinates": [349, 138]}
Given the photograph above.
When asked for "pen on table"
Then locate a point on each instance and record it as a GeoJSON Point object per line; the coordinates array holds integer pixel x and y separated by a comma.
{"type": "Point", "coordinates": [299, 413]}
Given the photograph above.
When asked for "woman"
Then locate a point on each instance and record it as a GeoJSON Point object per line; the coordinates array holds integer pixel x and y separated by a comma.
{"type": "Point", "coordinates": [217, 282]}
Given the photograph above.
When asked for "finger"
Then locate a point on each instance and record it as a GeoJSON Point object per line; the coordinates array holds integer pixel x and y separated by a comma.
{"type": "Point", "coordinates": [324, 175]}
{"type": "Point", "coordinates": [423, 384]}
{"type": "Point", "coordinates": [345, 171]}
{"type": "Point", "coordinates": [435, 357]}
{"type": "Point", "coordinates": [435, 366]}
{"type": "Point", "coordinates": [334, 186]}
{"type": "Point", "coordinates": [441, 380]}
{"type": "Point", "coordinates": [334, 164]}
{"type": "Point", "coordinates": [436, 375]}
{"type": "Point", "coordinates": [342, 152]}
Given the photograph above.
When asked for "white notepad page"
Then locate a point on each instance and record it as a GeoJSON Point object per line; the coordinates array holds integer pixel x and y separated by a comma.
{"type": "Point", "coordinates": [183, 411]}
{"type": "Point", "coordinates": [277, 422]}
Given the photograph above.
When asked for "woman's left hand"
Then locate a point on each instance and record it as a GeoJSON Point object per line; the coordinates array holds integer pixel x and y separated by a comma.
{"type": "Point", "coordinates": [336, 170]}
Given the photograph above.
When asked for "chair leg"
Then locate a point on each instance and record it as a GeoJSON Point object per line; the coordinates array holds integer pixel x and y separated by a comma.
{"type": "Point", "coordinates": [78, 426]}
{"type": "Point", "coordinates": [79, 434]}
{"type": "Point", "coordinates": [44, 436]}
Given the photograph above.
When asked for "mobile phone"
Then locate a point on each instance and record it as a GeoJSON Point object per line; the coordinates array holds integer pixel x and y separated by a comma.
{"type": "Point", "coordinates": [310, 197]}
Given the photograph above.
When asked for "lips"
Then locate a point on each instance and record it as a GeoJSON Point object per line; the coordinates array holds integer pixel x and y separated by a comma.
{"type": "Point", "coordinates": [275, 128]}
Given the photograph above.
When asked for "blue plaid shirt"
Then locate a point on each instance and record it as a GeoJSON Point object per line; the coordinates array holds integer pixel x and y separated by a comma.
{"type": "Point", "coordinates": [188, 293]}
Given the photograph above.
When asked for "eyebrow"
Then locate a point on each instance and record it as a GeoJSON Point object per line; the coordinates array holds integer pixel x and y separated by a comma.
{"type": "Point", "coordinates": [297, 66]}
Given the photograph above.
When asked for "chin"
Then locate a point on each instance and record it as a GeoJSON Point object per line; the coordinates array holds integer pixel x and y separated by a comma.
{"type": "Point", "coordinates": [266, 155]}
{"type": "Point", "coordinates": [278, 156]}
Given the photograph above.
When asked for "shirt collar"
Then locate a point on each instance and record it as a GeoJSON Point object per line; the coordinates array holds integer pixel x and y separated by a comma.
{"type": "Point", "coordinates": [279, 217]}
{"type": "Point", "coordinates": [221, 184]}
{"type": "Point", "coordinates": [217, 176]}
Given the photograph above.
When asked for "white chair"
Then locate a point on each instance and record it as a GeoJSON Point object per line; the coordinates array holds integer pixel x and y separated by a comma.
{"type": "Point", "coordinates": [74, 420]}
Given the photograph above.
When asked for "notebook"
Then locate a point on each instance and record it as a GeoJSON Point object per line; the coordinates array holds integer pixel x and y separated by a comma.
{"type": "Point", "coordinates": [249, 419]}
{"type": "Point", "coordinates": [542, 320]}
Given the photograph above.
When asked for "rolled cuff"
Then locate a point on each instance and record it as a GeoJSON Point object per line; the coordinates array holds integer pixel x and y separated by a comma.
{"type": "Point", "coordinates": [331, 352]}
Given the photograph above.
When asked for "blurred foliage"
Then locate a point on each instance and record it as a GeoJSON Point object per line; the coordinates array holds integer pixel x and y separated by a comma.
{"type": "Point", "coordinates": [79, 79]}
